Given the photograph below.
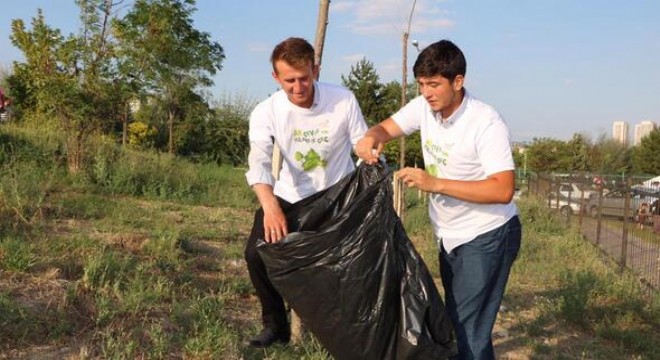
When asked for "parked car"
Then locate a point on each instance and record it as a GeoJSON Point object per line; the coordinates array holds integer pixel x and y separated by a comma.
{"type": "Point", "coordinates": [568, 198]}
{"type": "Point", "coordinates": [573, 191]}
{"type": "Point", "coordinates": [613, 203]}
{"type": "Point", "coordinates": [567, 206]}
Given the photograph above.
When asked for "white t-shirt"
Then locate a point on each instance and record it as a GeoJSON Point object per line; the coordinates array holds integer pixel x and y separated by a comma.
{"type": "Point", "coordinates": [470, 145]}
{"type": "Point", "coordinates": [315, 143]}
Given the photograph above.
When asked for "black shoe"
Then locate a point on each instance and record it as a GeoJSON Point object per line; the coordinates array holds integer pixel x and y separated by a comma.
{"type": "Point", "coordinates": [268, 337]}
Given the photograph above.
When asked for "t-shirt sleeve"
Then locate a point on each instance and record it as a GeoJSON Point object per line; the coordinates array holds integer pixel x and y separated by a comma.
{"type": "Point", "coordinates": [356, 124]}
{"type": "Point", "coordinates": [494, 146]}
{"type": "Point", "coordinates": [409, 117]}
{"type": "Point", "coordinates": [260, 158]}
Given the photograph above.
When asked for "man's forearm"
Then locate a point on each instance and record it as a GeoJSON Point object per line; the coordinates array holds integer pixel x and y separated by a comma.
{"type": "Point", "coordinates": [496, 189]}
{"type": "Point", "coordinates": [265, 196]}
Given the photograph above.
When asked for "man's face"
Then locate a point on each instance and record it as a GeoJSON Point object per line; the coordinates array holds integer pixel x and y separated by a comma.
{"type": "Point", "coordinates": [443, 96]}
{"type": "Point", "coordinates": [297, 83]}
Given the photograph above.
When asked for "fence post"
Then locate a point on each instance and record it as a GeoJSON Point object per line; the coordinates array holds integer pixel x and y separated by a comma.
{"type": "Point", "coordinates": [398, 196]}
{"type": "Point", "coordinates": [557, 185]}
{"type": "Point", "coordinates": [581, 208]}
{"type": "Point", "coordinates": [626, 222]}
{"type": "Point", "coordinates": [599, 217]}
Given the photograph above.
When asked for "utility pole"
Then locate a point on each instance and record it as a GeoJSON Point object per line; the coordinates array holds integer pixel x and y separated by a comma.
{"type": "Point", "coordinates": [404, 84]}
{"type": "Point", "coordinates": [399, 196]}
{"type": "Point", "coordinates": [321, 26]}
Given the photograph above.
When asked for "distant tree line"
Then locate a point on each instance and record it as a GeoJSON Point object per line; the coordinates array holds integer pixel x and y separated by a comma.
{"type": "Point", "coordinates": [580, 154]}
{"type": "Point", "coordinates": [139, 72]}
{"type": "Point", "coordinates": [140, 77]}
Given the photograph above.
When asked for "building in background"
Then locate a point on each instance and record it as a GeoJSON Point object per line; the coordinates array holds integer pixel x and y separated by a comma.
{"type": "Point", "coordinates": [620, 132]}
{"type": "Point", "coordinates": [642, 129]}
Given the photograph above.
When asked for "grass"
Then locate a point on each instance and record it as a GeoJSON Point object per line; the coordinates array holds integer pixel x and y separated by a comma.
{"type": "Point", "coordinates": [88, 271]}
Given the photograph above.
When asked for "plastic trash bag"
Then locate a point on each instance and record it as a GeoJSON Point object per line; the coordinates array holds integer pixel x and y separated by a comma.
{"type": "Point", "coordinates": [348, 269]}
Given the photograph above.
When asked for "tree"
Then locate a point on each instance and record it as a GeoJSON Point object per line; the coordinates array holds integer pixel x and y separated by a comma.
{"type": "Point", "coordinates": [66, 78]}
{"type": "Point", "coordinates": [547, 155]}
{"type": "Point", "coordinates": [579, 154]}
{"type": "Point", "coordinates": [170, 57]}
{"type": "Point", "coordinates": [378, 102]}
{"type": "Point", "coordinates": [646, 156]}
{"type": "Point", "coordinates": [33, 78]}
{"type": "Point", "coordinates": [364, 82]}
{"type": "Point", "coordinates": [390, 102]}
{"type": "Point", "coordinates": [608, 156]}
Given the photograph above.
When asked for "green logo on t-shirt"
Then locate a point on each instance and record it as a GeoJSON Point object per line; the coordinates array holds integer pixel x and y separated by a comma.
{"type": "Point", "coordinates": [438, 156]}
{"type": "Point", "coordinates": [432, 170]}
{"type": "Point", "coordinates": [316, 138]}
{"type": "Point", "coordinates": [311, 160]}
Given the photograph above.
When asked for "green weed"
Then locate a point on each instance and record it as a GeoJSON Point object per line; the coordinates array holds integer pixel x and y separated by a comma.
{"type": "Point", "coordinates": [17, 254]}
{"type": "Point", "coordinates": [107, 269]}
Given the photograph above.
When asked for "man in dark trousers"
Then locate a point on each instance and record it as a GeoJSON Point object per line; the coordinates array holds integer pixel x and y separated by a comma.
{"type": "Point", "coordinates": [315, 125]}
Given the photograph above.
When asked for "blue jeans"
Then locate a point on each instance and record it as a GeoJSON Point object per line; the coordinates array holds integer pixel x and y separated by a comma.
{"type": "Point", "coordinates": [474, 276]}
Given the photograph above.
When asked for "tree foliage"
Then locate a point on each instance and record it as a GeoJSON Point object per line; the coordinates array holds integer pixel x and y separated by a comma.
{"type": "Point", "coordinates": [609, 156]}
{"type": "Point", "coordinates": [66, 78]}
{"type": "Point", "coordinates": [160, 46]}
{"type": "Point", "coordinates": [364, 82]}
{"type": "Point", "coordinates": [379, 101]}
{"type": "Point", "coordinates": [547, 155]}
{"type": "Point", "coordinates": [646, 156]}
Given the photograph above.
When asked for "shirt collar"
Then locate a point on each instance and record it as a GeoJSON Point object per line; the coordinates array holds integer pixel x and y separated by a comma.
{"type": "Point", "coordinates": [448, 122]}
{"type": "Point", "coordinates": [315, 102]}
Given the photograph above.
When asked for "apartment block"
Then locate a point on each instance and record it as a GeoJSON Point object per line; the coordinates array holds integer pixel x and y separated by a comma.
{"type": "Point", "coordinates": [620, 132]}
{"type": "Point", "coordinates": [642, 129]}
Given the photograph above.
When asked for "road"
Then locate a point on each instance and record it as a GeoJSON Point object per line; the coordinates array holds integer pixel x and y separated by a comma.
{"type": "Point", "coordinates": [642, 255]}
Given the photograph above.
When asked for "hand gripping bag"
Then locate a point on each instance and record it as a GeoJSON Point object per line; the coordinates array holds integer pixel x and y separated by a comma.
{"type": "Point", "coordinates": [348, 269]}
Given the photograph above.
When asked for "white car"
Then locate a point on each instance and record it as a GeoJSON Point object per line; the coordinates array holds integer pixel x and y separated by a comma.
{"type": "Point", "coordinates": [565, 206]}
{"type": "Point", "coordinates": [573, 191]}
{"type": "Point", "coordinates": [569, 199]}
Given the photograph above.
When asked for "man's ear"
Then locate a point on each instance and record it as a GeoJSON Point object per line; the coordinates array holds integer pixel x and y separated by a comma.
{"type": "Point", "coordinates": [274, 74]}
{"type": "Point", "coordinates": [458, 82]}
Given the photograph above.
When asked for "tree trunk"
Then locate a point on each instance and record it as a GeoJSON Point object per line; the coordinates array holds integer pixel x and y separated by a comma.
{"type": "Point", "coordinates": [170, 127]}
{"type": "Point", "coordinates": [74, 151]}
{"type": "Point", "coordinates": [404, 90]}
{"type": "Point", "coordinates": [321, 26]}
{"type": "Point", "coordinates": [124, 128]}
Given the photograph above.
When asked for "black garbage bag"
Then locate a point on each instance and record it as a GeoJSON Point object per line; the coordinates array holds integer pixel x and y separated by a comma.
{"type": "Point", "coordinates": [348, 269]}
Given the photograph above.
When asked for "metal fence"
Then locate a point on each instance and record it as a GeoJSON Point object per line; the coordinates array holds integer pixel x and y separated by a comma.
{"type": "Point", "coordinates": [620, 215]}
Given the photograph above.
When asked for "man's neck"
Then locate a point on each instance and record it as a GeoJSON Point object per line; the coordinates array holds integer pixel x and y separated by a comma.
{"type": "Point", "coordinates": [451, 109]}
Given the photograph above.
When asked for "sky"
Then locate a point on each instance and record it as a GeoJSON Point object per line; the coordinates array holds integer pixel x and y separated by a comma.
{"type": "Point", "coordinates": [552, 68]}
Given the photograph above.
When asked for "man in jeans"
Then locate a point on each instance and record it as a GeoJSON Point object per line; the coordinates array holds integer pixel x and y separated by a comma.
{"type": "Point", "coordinates": [469, 173]}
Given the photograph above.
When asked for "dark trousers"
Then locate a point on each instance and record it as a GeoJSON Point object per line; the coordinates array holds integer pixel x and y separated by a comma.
{"type": "Point", "coordinates": [273, 311]}
{"type": "Point", "coordinates": [474, 276]}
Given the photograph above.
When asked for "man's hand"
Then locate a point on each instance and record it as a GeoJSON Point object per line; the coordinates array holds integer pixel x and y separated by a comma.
{"type": "Point", "coordinates": [368, 149]}
{"type": "Point", "coordinates": [275, 226]}
{"type": "Point", "coordinates": [417, 178]}
{"type": "Point", "coordinates": [371, 145]}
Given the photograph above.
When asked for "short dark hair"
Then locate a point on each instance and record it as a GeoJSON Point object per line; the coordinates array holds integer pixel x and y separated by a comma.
{"type": "Point", "coordinates": [442, 58]}
{"type": "Point", "coordinates": [296, 52]}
